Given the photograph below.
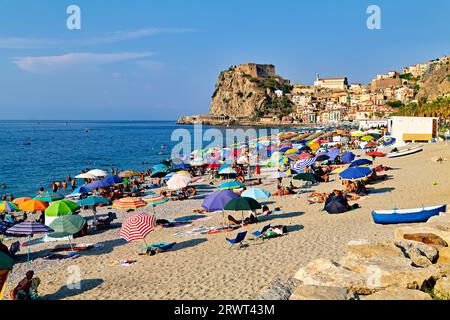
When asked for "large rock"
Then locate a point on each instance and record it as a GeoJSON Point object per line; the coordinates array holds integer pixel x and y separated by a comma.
{"type": "Point", "coordinates": [311, 292]}
{"type": "Point", "coordinates": [444, 255]}
{"type": "Point", "coordinates": [423, 233]}
{"type": "Point", "coordinates": [393, 293]}
{"type": "Point", "coordinates": [422, 255]}
{"type": "Point", "coordinates": [441, 289]}
{"type": "Point", "coordinates": [323, 272]}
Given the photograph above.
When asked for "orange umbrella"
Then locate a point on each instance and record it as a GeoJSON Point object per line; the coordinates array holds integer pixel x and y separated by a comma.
{"type": "Point", "coordinates": [129, 203]}
{"type": "Point", "coordinates": [19, 201]}
{"type": "Point", "coordinates": [33, 205]}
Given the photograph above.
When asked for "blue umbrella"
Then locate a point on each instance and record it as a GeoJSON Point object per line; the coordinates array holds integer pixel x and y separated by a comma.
{"type": "Point", "coordinates": [333, 153]}
{"type": "Point", "coordinates": [360, 162]}
{"type": "Point", "coordinates": [347, 157]}
{"type": "Point", "coordinates": [112, 180]}
{"type": "Point", "coordinates": [82, 189]}
{"type": "Point", "coordinates": [256, 193]}
{"type": "Point", "coordinates": [355, 173]}
{"type": "Point", "coordinates": [97, 184]}
{"type": "Point", "coordinates": [217, 200]}
{"type": "Point", "coordinates": [230, 185]}
{"type": "Point", "coordinates": [160, 168]}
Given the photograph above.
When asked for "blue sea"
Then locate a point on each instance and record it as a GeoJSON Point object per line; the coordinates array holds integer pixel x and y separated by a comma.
{"type": "Point", "coordinates": [36, 153]}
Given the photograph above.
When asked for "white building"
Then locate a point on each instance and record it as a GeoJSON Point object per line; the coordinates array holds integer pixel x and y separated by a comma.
{"type": "Point", "coordinates": [413, 128]}
{"type": "Point", "coordinates": [367, 124]}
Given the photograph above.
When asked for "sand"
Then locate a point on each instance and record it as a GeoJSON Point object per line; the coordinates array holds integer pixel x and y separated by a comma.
{"type": "Point", "coordinates": [204, 267]}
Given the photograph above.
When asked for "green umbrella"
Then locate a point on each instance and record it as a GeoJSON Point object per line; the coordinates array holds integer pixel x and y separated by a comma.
{"type": "Point", "coordinates": [48, 197]}
{"type": "Point", "coordinates": [6, 262]}
{"type": "Point", "coordinates": [307, 176]}
{"type": "Point", "coordinates": [61, 208]}
{"type": "Point", "coordinates": [242, 203]}
{"type": "Point", "coordinates": [125, 181]}
{"type": "Point", "coordinates": [66, 226]}
{"type": "Point", "coordinates": [93, 201]}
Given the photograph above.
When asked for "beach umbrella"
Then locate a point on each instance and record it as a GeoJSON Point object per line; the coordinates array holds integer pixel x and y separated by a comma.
{"type": "Point", "coordinates": [291, 151]}
{"type": "Point", "coordinates": [231, 185]}
{"type": "Point", "coordinates": [7, 206]}
{"type": "Point", "coordinates": [302, 156]}
{"type": "Point", "coordinates": [375, 154]}
{"type": "Point", "coordinates": [137, 227]}
{"type": "Point", "coordinates": [336, 204]}
{"type": "Point", "coordinates": [241, 204]}
{"type": "Point", "coordinates": [217, 200]}
{"type": "Point", "coordinates": [155, 199]}
{"type": "Point", "coordinates": [213, 165]}
{"type": "Point", "coordinates": [178, 181]}
{"type": "Point", "coordinates": [291, 171]}
{"type": "Point", "coordinates": [99, 184]}
{"type": "Point", "coordinates": [256, 193]}
{"type": "Point", "coordinates": [158, 174]}
{"type": "Point", "coordinates": [6, 262]}
{"type": "Point", "coordinates": [82, 190]}
{"type": "Point", "coordinates": [357, 134]}
{"type": "Point", "coordinates": [300, 165]}
{"type": "Point", "coordinates": [347, 157]}
{"type": "Point", "coordinates": [29, 228]}
{"type": "Point", "coordinates": [125, 181]}
{"type": "Point", "coordinates": [333, 153]}
{"type": "Point", "coordinates": [129, 174]}
{"type": "Point", "coordinates": [322, 157]}
{"type": "Point", "coordinates": [277, 175]}
{"type": "Point", "coordinates": [129, 203]}
{"type": "Point", "coordinates": [66, 226]}
{"type": "Point", "coordinates": [61, 208]}
{"type": "Point", "coordinates": [48, 197]}
{"type": "Point", "coordinates": [355, 173]}
{"type": "Point", "coordinates": [4, 225]}
{"type": "Point", "coordinates": [388, 141]}
{"type": "Point", "coordinates": [112, 180]}
{"type": "Point", "coordinates": [160, 168]}
{"type": "Point", "coordinates": [97, 173]}
{"type": "Point", "coordinates": [185, 173]}
{"type": "Point", "coordinates": [19, 201]}
{"type": "Point", "coordinates": [360, 162]}
{"type": "Point", "coordinates": [304, 148]}
{"type": "Point", "coordinates": [372, 144]}
{"type": "Point", "coordinates": [227, 170]}
{"type": "Point", "coordinates": [367, 138]}
{"type": "Point", "coordinates": [33, 205]}
{"type": "Point", "coordinates": [93, 201]}
{"type": "Point", "coordinates": [85, 176]}
{"type": "Point", "coordinates": [306, 176]}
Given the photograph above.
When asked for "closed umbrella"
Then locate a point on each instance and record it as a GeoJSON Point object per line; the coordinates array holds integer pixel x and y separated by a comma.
{"type": "Point", "coordinates": [137, 227]}
{"type": "Point", "coordinates": [61, 208]}
{"type": "Point", "coordinates": [29, 228]}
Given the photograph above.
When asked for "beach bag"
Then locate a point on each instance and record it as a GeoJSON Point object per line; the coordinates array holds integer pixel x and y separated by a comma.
{"type": "Point", "coordinates": [275, 231]}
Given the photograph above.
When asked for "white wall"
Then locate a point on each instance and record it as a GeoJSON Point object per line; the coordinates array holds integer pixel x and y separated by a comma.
{"type": "Point", "coordinates": [411, 125]}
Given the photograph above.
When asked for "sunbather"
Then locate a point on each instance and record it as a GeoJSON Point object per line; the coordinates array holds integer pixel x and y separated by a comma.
{"type": "Point", "coordinates": [251, 219]}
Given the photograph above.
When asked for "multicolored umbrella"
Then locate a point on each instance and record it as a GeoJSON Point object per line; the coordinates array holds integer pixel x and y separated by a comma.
{"type": "Point", "coordinates": [155, 199]}
{"type": "Point", "coordinates": [6, 206]}
{"type": "Point", "coordinates": [48, 197]}
{"type": "Point", "coordinates": [137, 227]}
{"type": "Point", "coordinates": [231, 185]}
{"type": "Point", "coordinates": [61, 208]}
{"type": "Point", "coordinates": [129, 203]}
{"type": "Point", "coordinates": [33, 205]}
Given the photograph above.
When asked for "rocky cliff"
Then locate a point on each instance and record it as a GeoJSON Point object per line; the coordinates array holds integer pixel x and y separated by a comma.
{"type": "Point", "coordinates": [435, 82]}
{"type": "Point", "coordinates": [238, 94]}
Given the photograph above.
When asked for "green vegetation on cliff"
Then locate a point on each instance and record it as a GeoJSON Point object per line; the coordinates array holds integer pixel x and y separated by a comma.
{"type": "Point", "coordinates": [437, 108]}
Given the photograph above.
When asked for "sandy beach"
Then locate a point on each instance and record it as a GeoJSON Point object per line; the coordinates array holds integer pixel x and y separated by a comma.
{"type": "Point", "coordinates": [204, 267]}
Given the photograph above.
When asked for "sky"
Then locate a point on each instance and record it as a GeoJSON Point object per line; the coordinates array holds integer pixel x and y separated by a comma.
{"type": "Point", "coordinates": [158, 60]}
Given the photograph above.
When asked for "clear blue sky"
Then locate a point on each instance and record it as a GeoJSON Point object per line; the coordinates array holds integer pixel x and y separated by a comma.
{"type": "Point", "coordinates": [160, 59]}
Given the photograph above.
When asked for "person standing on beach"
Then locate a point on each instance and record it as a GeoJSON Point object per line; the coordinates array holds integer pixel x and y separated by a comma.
{"type": "Point", "coordinates": [73, 185]}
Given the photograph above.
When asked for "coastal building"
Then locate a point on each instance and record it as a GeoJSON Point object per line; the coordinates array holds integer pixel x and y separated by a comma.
{"type": "Point", "coordinates": [413, 128]}
{"type": "Point", "coordinates": [257, 70]}
{"type": "Point", "coordinates": [331, 83]}
{"type": "Point", "coordinates": [385, 83]}
{"type": "Point", "coordinates": [367, 124]}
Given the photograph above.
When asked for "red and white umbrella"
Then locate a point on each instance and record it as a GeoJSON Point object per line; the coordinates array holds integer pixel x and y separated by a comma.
{"type": "Point", "coordinates": [137, 227]}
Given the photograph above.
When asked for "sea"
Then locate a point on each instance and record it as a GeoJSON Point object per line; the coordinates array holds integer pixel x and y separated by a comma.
{"type": "Point", "coordinates": [36, 153]}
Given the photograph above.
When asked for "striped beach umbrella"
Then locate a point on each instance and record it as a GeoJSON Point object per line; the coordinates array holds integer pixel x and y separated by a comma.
{"type": "Point", "coordinates": [6, 206]}
{"type": "Point", "coordinates": [300, 165]}
{"type": "Point", "coordinates": [29, 228]}
{"type": "Point", "coordinates": [61, 208]}
{"type": "Point", "coordinates": [66, 225]}
{"type": "Point", "coordinates": [137, 227]}
{"type": "Point", "coordinates": [33, 205]}
{"type": "Point", "coordinates": [129, 203]}
{"type": "Point", "coordinates": [155, 199]}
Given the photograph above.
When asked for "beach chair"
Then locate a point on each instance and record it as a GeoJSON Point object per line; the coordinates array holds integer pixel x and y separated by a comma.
{"type": "Point", "coordinates": [238, 240]}
{"type": "Point", "coordinates": [258, 234]}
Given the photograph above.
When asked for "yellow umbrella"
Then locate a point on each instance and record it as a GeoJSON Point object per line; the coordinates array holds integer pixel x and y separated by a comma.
{"type": "Point", "coordinates": [19, 201]}
{"type": "Point", "coordinates": [291, 151]}
{"type": "Point", "coordinates": [367, 138]}
{"type": "Point", "coordinates": [33, 205]}
{"type": "Point", "coordinates": [184, 172]}
{"type": "Point", "coordinates": [128, 174]}
{"type": "Point", "coordinates": [357, 134]}
{"type": "Point", "coordinates": [338, 170]}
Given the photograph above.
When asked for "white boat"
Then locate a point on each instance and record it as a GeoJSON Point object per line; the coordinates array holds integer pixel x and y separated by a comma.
{"type": "Point", "coordinates": [404, 151]}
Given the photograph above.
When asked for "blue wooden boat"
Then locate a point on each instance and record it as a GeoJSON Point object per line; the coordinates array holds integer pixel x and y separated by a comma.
{"type": "Point", "coordinates": [406, 215]}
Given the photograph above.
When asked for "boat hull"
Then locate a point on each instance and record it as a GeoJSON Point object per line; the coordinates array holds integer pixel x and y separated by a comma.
{"type": "Point", "coordinates": [407, 216]}
{"type": "Point", "coordinates": [404, 152]}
